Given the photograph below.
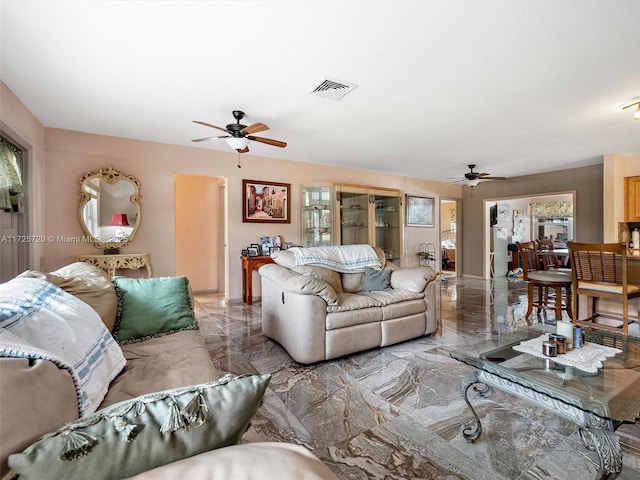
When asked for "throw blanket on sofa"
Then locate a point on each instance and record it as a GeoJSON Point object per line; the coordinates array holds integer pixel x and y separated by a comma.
{"type": "Point", "coordinates": [41, 321]}
{"type": "Point", "coordinates": [341, 258]}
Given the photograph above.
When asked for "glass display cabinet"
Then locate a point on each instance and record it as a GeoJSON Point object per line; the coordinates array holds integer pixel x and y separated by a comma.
{"type": "Point", "coordinates": [317, 215]}
{"type": "Point", "coordinates": [370, 215]}
{"type": "Point", "coordinates": [388, 224]}
{"type": "Point", "coordinates": [353, 215]}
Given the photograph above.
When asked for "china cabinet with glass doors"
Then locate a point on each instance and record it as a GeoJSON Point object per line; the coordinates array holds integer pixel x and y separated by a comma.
{"type": "Point", "coordinates": [317, 215]}
{"type": "Point", "coordinates": [369, 215]}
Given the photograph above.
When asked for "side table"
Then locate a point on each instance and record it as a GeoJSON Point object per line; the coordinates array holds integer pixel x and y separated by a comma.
{"type": "Point", "coordinates": [249, 264]}
{"type": "Point", "coordinates": [110, 263]}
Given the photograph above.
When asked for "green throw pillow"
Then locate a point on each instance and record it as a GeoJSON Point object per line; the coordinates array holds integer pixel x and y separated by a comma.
{"type": "Point", "coordinates": [151, 307]}
{"type": "Point", "coordinates": [376, 280]}
{"type": "Point", "coordinates": [137, 435]}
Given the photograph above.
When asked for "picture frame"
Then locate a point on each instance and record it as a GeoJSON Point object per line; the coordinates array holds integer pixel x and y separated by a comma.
{"type": "Point", "coordinates": [268, 242]}
{"type": "Point", "coordinates": [257, 246]}
{"type": "Point", "coordinates": [266, 202]}
{"type": "Point", "coordinates": [419, 211]}
{"type": "Point", "coordinates": [273, 249]}
{"type": "Point", "coordinates": [253, 252]}
{"type": "Point", "coordinates": [504, 212]}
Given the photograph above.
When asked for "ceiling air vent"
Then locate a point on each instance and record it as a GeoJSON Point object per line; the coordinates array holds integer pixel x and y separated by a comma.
{"type": "Point", "coordinates": [332, 89]}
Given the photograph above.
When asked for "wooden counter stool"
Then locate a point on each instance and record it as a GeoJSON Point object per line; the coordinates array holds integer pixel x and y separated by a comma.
{"type": "Point", "coordinates": [543, 281]}
{"type": "Point", "coordinates": [599, 270]}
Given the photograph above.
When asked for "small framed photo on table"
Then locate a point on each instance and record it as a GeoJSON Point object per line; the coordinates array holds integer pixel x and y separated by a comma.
{"type": "Point", "coordinates": [253, 252]}
{"type": "Point", "coordinates": [269, 242]}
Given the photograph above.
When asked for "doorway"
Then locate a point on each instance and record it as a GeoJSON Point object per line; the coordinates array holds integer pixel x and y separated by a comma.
{"type": "Point", "coordinates": [201, 232]}
{"type": "Point", "coordinates": [14, 210]}
{"type": "Point", "coordinates": [449, 253]}
{"type": "Point", "coordinates": [521, 219]}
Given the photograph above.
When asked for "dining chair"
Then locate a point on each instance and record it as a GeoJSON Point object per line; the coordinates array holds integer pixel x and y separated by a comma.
{"type": "Point", "coordinates": [541, 281]}
{"type": "Point", "coordinates": [551, 260]}
{"type": "Point", "coordinates": [599, 270]}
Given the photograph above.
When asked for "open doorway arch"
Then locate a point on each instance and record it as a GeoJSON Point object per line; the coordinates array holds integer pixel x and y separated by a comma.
{"type": "Point", "coordinates": [518, 220]}
{"type": "Point", "coordinates": [201, 252]}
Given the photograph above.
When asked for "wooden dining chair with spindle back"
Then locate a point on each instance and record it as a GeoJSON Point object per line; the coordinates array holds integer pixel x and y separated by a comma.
{"type": "Point", "coordinates": [599, 271]}
{"type": "Point", "coordinates": [541, 282]}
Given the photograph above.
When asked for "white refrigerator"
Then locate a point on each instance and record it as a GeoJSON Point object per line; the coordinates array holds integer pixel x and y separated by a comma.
{"type": "Point", "coordinates": [499, 253]}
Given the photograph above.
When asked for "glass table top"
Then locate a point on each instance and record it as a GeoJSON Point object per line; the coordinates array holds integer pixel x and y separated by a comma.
{"type": "Point", "coordinates": [613, 392]}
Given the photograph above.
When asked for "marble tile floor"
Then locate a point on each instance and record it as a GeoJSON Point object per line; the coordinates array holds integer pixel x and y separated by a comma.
{"type": "Point", "coordinates": [397, 412]}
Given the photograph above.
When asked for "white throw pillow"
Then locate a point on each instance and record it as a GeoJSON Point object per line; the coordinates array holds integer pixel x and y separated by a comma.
{"type": "Point", "coordinates": [41, 321]}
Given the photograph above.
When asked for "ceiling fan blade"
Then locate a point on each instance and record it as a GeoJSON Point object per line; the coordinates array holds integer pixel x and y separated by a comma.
{"type": "Point", "coordinates": [494, 178]}
{"type": "Point", "coordinates": [244, 150]}
{"type": "Point", "coordinates": [209, 125]}
{"type": "Point", "coordinates": [254, 128]}
{"type": "Point", "coordinates": [268, 141]}
{"type": "Point", "coordinates": [209, 138]}
{"type": "Point", "coordinates": [480, 174]}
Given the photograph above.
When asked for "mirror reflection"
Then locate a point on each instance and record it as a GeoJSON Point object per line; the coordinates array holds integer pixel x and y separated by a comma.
{"type": "Point", "coordinates": [110, 207]}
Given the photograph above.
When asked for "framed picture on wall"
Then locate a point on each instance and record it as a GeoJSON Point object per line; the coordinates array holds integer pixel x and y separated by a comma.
{"type": "Point", "coordinates": [419, 211]}
{"type": "Point", "coordinates": [504, 211]}
{"type": "Point", "coordinates": [266, 202]}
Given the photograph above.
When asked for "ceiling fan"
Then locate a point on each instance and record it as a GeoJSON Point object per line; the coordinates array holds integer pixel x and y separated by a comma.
{"type": "Point", "coordinates": [239, 135]}
{"type": "Point", "coordinates": [472, 178]}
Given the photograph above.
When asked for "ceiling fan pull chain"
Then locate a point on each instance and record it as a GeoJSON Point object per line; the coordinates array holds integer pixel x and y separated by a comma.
{"type": "Point", "coordinates": [239, 166]}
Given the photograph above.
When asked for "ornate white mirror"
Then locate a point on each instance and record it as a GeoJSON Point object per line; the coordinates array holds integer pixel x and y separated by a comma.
{"type": "Point", "coordinates": [110, 208]}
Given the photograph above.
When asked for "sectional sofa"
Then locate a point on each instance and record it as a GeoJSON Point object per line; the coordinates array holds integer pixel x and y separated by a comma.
{"type": "Point", "coordinates": [107, 379]}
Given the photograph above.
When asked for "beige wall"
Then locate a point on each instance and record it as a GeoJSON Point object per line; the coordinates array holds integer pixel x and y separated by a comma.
{"type": "Point", "coordinates": [616, 168]}
{"type": "Point", "coordinates": [198, 235]}
{"type": "Point", "coordinates": [55, 184]}
{"type": "Point", "coordinates": [586, 182]}
{"type": "Point", "coordinates": [19, 124]}
{"type": "Point", "coordinates": [70, 154]}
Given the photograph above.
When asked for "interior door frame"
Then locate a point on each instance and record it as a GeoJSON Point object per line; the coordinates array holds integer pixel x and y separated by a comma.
{"type": "Point", "coordinates": [458, 264]}
{"type": "Point", "coordinates": [487, 228]}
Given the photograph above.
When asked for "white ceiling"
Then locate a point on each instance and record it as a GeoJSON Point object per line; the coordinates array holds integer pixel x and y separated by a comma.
{"type": "Point", "coordinates": [514, 86]}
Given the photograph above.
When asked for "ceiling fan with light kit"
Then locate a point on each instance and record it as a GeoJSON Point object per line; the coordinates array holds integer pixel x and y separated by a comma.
{"type": "Point", "coordinates": [239, 135]}
{"type": "Point", "coordinates": [471, 178]}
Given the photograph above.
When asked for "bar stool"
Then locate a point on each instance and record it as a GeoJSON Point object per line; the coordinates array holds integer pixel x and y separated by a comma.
{"type": "Point", "coordinates": [600, 271]}
{"type": "Point", "coordinates": [542, 281]}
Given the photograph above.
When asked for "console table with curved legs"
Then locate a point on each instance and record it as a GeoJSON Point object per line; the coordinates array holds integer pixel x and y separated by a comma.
{"type": "Point", "coordinates": [111, 263]}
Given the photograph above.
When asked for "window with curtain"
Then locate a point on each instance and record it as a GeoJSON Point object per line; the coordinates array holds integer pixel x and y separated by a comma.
{"type": "Point", "coordinates": [11, 187]}
{"type": "Point", "coordinates": [552, 209]}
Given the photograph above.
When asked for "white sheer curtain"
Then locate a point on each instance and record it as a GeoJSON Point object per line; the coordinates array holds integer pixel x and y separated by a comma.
{"type": "Point", "coordinates": [11, 191]}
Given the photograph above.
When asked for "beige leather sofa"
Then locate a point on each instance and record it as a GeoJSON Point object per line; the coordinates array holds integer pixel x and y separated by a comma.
{"type": "Point", "coordinates": [37, 397]}
{"type": "Point", "coordinates": [317, 313]}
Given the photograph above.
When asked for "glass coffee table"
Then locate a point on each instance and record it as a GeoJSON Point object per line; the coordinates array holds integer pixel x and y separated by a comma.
{"type": "Point", "coordinates": [598, 401]}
